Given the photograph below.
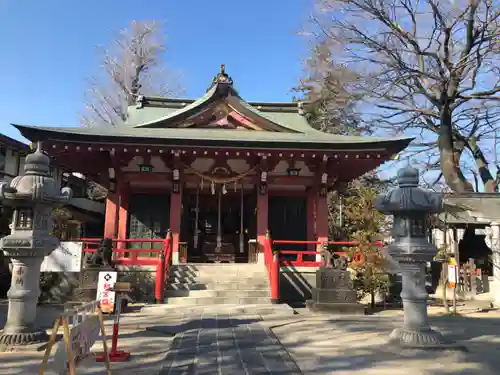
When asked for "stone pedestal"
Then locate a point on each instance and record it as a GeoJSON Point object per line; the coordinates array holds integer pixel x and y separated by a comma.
{"type": "Point", "coordinates": [334, 293]}
{"type": "Point", "coordinates": [23, 296]}
{"type": "Point", "coordinates": [416, 331]}
{"type": "Point", "coordinates": [87, 286]}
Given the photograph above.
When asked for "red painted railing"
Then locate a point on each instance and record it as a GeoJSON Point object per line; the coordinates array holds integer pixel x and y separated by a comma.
{"type": "Point", "coordinates": [274, 262]}
{"type": "Point", "coordinates": [162, 258]}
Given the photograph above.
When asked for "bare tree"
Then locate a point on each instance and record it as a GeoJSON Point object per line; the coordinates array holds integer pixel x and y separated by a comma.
{"type": "Point", "coordinates": [329, 90]}
{"type": "Point", "coordinates": [132, 65]}
{"type": "Point", "coordinates": [427, 68]}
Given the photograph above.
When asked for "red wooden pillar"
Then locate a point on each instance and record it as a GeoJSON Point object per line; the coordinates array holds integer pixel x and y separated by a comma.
{"type": "Point", "coordinates": [262, 223]}
{"type": "Point", "coordinates": [321, 220]}
{"type": "Point", "coordinates": [311, 218]}
{"type": "Point", "coordinates": [175, 221]}
{"type": "Point", "coordinates": [123, 200]}
{"type": "Point", "coordinates": [124, 192]}
{"type": "Point", "coordinates": [111, 216]}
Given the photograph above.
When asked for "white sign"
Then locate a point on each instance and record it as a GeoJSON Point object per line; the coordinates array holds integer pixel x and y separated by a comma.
{"type": "Point", "coordinates": [105, 297]}
{"type": "Point", "coordinates": [67, 257]}
{"type": "Point", "coordinates": [452, 275]}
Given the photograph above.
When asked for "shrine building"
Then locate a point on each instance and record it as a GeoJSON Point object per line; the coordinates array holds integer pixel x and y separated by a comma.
{"type": "Point", "coordinates": [217, 171]}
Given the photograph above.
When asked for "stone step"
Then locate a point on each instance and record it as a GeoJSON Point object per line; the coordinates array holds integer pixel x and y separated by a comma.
{"type": "Point", "coordinates": [215, 278]}
{"type": "Point", "coordinates": [217, 271]}
{"type": "Point", "coordinates": [187, 286]}
{"type": "Point", "coordinates": [207, 301]}
{"type": "Point", "coordinates": [228, 266]}
{"type": "Point", "coordinates": [276, 311]}
{"type": "Point", "coordinates": [218, 293]}
{"type": "Point", "coordinates": [217, 286]}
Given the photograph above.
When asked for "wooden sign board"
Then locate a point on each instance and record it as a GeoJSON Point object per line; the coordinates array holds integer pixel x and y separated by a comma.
{"type": "Point", "coordinates": [78, 340]}
{"type": "Point", "coordinates": [105, 295]}
{"type": "Point", "coordinates": [67, 257]}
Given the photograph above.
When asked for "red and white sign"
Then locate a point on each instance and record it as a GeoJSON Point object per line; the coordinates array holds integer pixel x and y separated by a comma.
{"type": "Point", "coordinates": [452, 276]}
{"type": "Point", "coordinates": [106, 297]}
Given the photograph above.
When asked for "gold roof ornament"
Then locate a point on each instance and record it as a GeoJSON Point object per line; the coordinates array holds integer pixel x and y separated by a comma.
{"type": "Point", "coordinates": [221, 78]}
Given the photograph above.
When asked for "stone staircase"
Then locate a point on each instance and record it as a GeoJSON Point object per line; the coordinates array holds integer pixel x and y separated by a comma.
{"type": "Point", "coordinates": [217, 284]}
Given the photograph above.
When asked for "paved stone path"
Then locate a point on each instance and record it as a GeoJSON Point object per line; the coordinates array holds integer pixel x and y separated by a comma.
{"type": "Point", "coordinates": [222, 343]}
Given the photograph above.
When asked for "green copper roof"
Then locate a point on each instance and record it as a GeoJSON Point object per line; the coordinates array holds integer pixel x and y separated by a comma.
{"type": "Point", "coordinates": [214, 137]}
{"type": "Point", "coordinates": [163, 113]}
{"type": "Point", "coordinates": [156, 121]}
{"type": "Point", "coordinates": [169, 114]}
{"type": "Point", "coordinates": [284, 114]}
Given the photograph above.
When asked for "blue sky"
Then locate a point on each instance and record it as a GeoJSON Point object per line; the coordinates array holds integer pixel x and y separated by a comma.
{"type": "Point", "coordinates": [49, 49]}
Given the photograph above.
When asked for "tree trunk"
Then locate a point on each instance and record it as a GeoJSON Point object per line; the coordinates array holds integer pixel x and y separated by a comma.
{"type": "Point", "coordinates": [490, 184]}
{"type": "Point", "coordinates": [449, 156]}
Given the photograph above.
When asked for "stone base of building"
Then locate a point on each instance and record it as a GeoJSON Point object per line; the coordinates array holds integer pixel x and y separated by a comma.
{"type": "Point", "coordinates": [336, 308]}
{"type": "Point", "coordinates": [426, 340]}
{"type": "Point", "coordinates": [23, 338]}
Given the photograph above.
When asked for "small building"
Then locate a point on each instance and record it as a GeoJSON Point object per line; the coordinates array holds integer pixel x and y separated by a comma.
{"type": "Point", "coordinates": [219, 172]}
{"type": "Point", "coordinates": [468, 218]}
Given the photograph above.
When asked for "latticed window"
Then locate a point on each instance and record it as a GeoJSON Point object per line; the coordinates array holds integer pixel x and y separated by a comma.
{"type": "Point", "coordinates": [24, 218]}
{"type": "Point", "coordinates": [418, 227]}
{"type": "Point", "coordinates": [149, 217]}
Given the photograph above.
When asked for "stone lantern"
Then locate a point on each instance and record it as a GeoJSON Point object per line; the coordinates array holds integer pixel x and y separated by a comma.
{"type": "Point", "coordinates": [32, 197]}
{"type": "Point", "coordinates": [410, 206]}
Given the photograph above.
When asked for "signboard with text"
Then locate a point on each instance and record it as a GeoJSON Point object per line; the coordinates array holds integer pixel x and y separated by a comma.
{"type": "Point", "coordinates": [67, 257]}
{"type": "Point", "coordinates": [106, 297]}
{"type": "Point", "coordinates": [81, 337]}
{"type": "Point", "coordinates": [82, 327]}
{"type": "Point", "coordinates": [452, 275]}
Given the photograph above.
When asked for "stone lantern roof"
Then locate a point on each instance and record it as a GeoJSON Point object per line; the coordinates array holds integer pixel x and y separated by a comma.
{"type": "Point", "coordinates": [36, 184]}
{"type": "Point", "coordinates": [408, 196]}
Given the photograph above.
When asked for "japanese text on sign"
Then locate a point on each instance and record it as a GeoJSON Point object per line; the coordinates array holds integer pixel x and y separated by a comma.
{"type": "Point", "coordinates": [104, 295]}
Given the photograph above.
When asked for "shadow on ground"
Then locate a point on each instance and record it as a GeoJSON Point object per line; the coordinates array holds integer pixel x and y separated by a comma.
{"type": "Point", "coordinates": [346, 346]}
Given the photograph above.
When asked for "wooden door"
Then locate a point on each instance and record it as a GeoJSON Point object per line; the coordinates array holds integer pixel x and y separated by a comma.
{"type": "Point", "coordinates": [288, 220]}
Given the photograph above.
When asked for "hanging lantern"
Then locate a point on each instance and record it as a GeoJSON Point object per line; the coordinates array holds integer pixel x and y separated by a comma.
{"type": "Point", "coordinates": [323, 189]}
{"type": "Point", "coordinates": [176, 184]}
{"type": "Point", "coordinates": [263, 183]}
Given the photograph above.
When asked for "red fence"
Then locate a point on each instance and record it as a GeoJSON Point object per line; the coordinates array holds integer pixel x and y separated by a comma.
{"type": "Point", "coordinates": [274, 260]}
{"type": "Point", "coordinates": [161, 257]}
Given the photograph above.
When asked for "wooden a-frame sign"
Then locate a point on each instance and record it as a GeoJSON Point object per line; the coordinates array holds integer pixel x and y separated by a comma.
{"type": "Point", "coordinates": [63, 321]}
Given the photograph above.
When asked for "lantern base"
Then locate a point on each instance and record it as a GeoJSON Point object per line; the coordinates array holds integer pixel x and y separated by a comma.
{"type": "Point", "coordinates": [427, 339]}
{"type": "Point", "coordinates": [23, 338]}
